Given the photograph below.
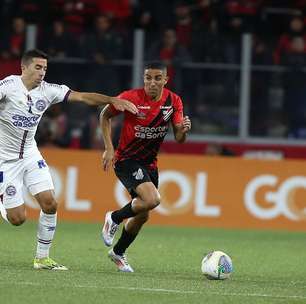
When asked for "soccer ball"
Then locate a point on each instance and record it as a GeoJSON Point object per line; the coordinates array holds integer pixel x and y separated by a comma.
{"type": "Point", "coordinates": [217, 265]}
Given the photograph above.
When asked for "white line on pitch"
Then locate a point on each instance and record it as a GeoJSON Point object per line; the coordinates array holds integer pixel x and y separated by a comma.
{"type": "Point", "coordinates": [162, 290]}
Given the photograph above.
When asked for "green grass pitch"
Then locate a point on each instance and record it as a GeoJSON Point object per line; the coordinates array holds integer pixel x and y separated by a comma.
{"type": "Point", "coordinates": [269, 267]}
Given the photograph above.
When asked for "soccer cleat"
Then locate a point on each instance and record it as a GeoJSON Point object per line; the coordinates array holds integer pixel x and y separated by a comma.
{"type": "Point", "coordinates": [109, 230]}
{"type": "Point", "coordinates": [120, 261]}
{"type": "Point", "coordinates": [48, 263]}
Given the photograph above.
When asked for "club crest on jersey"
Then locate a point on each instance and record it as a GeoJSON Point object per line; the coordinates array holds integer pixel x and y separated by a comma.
{"type": "Point", "coordinates": [10, 190]}
{"type": "Point", "coordinates": [40, 105]}
{"type": "Point", "coordinates": [167, 114]}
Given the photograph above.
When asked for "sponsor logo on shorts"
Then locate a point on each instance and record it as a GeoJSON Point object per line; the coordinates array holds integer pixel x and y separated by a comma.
{"type": "Point", "coordinates": [10, 190]}
{"type": "Point", "coordinates": [40, 105]}
{"type": "Point", "coordinates": [138, 174]}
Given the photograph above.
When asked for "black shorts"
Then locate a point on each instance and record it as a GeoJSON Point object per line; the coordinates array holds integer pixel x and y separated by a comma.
{"type": "Point", "coordinates": [131, 174]}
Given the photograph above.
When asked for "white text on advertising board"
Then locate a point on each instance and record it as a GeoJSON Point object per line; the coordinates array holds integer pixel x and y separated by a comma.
{"type": "Point", "coordinates": [281, 201]}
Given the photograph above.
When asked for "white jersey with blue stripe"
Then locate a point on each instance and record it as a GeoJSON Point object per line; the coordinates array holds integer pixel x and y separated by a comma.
{"type": "Point", "coordinates": [20, 113]}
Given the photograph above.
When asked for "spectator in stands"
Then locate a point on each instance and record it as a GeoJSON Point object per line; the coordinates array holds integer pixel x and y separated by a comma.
{"type": "Point", "coordinates": [260, 85]}
{"type": "Point", "coordinates": [118, 10]}
{"type": "Point", "coordinates": [143, 18]}
{"type": "Point", "coordinates": [52, 129]}
{"type": "Point", "coordinates": [206, 10]}
{"type": "Point", "coordinates": [14, 43]}
{"type": "Point", "coordinates": [295, 90]}
{"type": "Point", "coordinates": [208, 47]}
{"type": "Point", "coordinates": [102, 47]}
{"type": "Point", "coordinates": [59, 43]}
{"type": "Point", "coordinates": [171, 53]}
{"type": "Point", "coordinates": [34, 11]}
{"type": "Point", "coordinates": [7, 11]}
{"type": "Point", "coordinates": [242, 13]}
{"type": "Point", "coordinates": [296, 29]}
{"type": "Point", "coordinates": [183, 24]}
{"type": "Point", "coordinates": [77, 14]}
{"type": "Point", "coordinates": [162, 12]}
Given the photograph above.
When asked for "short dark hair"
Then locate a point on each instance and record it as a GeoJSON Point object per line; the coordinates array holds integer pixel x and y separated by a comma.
{"type": "Point", "coordinates": [156, 65]}
{"type": "Point", "coordinates": [28, 56]}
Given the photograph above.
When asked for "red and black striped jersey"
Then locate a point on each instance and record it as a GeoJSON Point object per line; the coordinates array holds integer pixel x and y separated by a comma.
{"type": "Point", "coordinates": [142, 134]}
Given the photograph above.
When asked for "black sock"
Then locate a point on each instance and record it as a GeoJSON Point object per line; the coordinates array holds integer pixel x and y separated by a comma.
{"type": "Point", "coordinates": [124, 242]}
{"type": "Point", "coordinates": [123, 213]}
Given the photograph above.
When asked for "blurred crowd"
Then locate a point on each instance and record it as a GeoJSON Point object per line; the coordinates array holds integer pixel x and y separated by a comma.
{"type": "Point", "coordinates": [100, 33]}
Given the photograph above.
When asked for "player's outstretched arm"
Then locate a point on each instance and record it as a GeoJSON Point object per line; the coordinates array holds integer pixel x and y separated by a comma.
{"type": "Point", "coordinates": [105, 125]}
{"type": "Point", "coordinates": [96, 99]}
{"type": "Point", "coordinates": [181, 130]}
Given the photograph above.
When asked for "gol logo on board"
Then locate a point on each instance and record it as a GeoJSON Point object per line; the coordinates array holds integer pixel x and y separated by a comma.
{"type": "Point", "coordinates": [282, 201]}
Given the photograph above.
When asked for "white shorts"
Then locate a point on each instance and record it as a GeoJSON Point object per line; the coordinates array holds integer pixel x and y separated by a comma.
{"type": "Point", "coordinates": [33, 172]}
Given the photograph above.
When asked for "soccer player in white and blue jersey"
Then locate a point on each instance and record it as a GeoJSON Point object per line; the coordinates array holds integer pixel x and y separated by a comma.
{"type": "Point", "coordinates": [23, 101]}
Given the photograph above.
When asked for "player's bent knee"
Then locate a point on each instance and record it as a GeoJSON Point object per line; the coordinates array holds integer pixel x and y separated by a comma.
{"type": "Point", "coordinates": [153, 202]}
{"type": "Point", "coordinates": [156, 203]}
{"type": "Point", "coordinates": [17, 220]}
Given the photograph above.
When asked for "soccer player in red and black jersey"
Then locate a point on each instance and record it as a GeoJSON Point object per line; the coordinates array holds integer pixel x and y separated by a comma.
{"type": "Point", "coordinates": [135, 161]}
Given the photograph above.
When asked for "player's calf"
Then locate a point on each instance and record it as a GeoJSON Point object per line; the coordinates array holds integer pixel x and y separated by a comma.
{"type": "Point", "coordinates": [134, 224]}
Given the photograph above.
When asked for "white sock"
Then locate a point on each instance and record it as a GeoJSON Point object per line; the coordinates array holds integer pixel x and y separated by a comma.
{"type": "Point", "coordinates": [2, 210]}
{"type": "Point", "coordinates": [45, 234]}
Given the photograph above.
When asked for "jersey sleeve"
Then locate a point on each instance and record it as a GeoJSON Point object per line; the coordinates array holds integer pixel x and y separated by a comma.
{"type": "Point", "coordinates": [123, 95]}
{"type": "Point", "coordinates": [4, 84]}
{"type": "Point", "coordinates": [2, 92]}
{"type": "Point", "coordinates": [57, 93]}
{"type": "Point", "coordinates": [177, 116]}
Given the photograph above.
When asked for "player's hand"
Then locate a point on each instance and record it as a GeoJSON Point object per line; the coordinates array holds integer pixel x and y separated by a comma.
{"type": "Point", "coordinates": [107, 159]}
{"type": "Point", "coordinates": [124, 105]}
{"type": "Point", "coordinates": [186, 124]}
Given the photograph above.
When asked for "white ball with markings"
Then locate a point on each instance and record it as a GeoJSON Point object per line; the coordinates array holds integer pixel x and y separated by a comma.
{"type": "Point", "coordinates": [217, 265]}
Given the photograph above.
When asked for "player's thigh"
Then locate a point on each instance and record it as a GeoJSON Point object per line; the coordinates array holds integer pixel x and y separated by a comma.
{"type": "Point", "coordinates": [134, 224]}
{"type": "Point", "coordinates": [11, 184]}
{"type": "Point", "coordinates": [39, 182]}
{"type": "Point", "coordinates": [148, 191]}
{"type": "Point", "coordinates": [37, 177]}
{"type": "Point", "coordinates": [154, 176]}
{"type": "Point", "coordinates": [132, 174]}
